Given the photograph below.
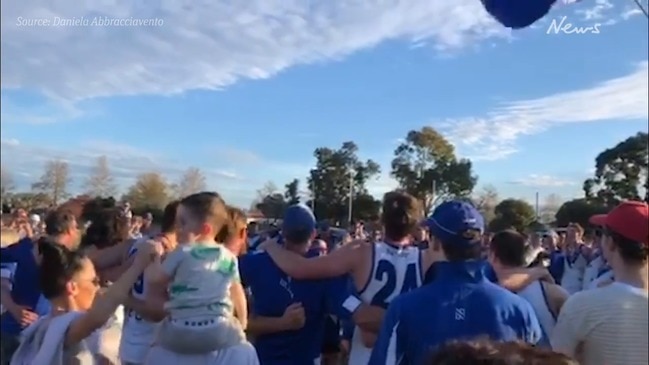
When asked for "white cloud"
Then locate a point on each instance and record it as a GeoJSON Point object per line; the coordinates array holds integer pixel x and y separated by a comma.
{"type": "Point", "coordinates": [596, 10]}
{"type": "Point", "coordinates": [234, 173]}
{"type": "Point", "coordinates": [543, 181]}
{"type": "Point", "coordinates": [381, 185]}
{"type": "Point", "coordinates": [12, 142]}
{"type": "Point", "coordinates": [210, 44]}
{"type": "Point", "coordinates": [494, 136]}
{"type": "Point", "coordinates": [126, 162]}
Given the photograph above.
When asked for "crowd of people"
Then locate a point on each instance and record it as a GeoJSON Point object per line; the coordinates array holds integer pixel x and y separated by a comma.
{"type": "Point", "coordinates": [206, 287]}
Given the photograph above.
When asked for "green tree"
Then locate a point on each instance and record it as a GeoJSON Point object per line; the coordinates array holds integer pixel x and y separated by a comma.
{"type": "Point", "coordinates": [620, 172]}
{"type": "Point", "coordinates": [270, 202]}
{"type": "Point", "coordinates": [512, 214]}
{"type": "Point", "coordinates": [426, 161]}
{"type": "Point", "coordinates": [366, 208]}
{"type": "Point", "coordinates": [292, 193]}
{"type": "Point", "coordinates": [578, 211]}
{"type": "Point", "coordinates": [336, 171]}
{"type": "Point", "coordinates": [149, 192]}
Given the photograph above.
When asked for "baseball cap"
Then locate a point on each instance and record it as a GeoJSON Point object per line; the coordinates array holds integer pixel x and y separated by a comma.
{"type": "Point", "coordinates": [298, 217]}
{"type": "Point", "coordinates": [630, 219]}
{"type": "Point", "coordinates": [453, 222]}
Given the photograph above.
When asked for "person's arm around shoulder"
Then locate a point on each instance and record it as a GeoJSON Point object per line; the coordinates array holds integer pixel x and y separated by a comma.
{"type": "Point", "coordinates": [110, 256]}
{"type": "Point", "coordinates": [162, 269]}
{"type": "Point", "coordinates": [387, 349]}
{"type": "Point", "coordinates": [339, 262]}
{"type": "Point", "coordinates": [557, 296]}
{"type": "Point", "coordinates": [105, 305]}
{"type": "Point", "coordinates": [517, 279]}
{"type": "Point", "coordinates": [344, 303]}
{"type": "Point", "coordinates": [567, 334]}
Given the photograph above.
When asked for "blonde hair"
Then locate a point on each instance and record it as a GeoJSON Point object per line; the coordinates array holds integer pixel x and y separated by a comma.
{"type": "Point", "coordinates": [8, 236]}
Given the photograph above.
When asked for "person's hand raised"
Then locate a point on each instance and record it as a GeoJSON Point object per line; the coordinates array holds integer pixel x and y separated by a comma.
{"type": "Point", "coordinates": [147, 252]}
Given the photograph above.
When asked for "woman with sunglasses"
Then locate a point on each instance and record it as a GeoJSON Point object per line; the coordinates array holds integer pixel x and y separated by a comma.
{"type": "Point", "coordinates": [69, 281]}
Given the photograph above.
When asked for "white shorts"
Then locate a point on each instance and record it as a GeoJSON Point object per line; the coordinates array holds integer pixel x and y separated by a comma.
{"type": "Point", "coordinates": [243, 354]}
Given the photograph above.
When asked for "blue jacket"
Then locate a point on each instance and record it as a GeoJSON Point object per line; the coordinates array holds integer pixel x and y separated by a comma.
{"type": "Point", "coordinates": [459, 304]}
{"type": "Point", "coordinates": [25, 281]}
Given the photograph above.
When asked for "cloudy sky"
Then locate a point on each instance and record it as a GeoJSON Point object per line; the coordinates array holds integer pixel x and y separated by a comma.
{"type": "Point", "coordinates": [246, 90]}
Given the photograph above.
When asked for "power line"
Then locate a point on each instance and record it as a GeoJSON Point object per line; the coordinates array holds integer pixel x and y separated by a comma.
{"type": "Point", "coordinates": [642, 9]}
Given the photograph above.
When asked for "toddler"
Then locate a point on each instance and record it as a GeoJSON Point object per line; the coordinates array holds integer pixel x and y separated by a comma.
{"type": "Point", "coordinates": [202, 278]}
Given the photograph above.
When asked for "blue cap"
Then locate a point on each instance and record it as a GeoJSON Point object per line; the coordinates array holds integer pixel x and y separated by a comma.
{"type": "Point", "coordinates": [452, 220]}
{"type": "Point", "coordinates": [298, 217]}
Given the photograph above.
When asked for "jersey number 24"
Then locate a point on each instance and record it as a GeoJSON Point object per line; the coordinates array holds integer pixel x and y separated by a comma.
{"type": "Point", "coordinates": [385, 271]}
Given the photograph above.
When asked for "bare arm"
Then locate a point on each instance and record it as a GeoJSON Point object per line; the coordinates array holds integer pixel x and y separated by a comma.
{"type": "Point", "coordinates": [5, 296]}
{"type": "Point", "coordinates": [517, 279]}
{"type": "Point", "coordinates": [338, 262]}
{"type": "Point", "coordinates": [152, 308]}
{"type": "Point", "coordinates": [104, 306]}
{"type": "Point", "coordinates": [110, 256]}
{"type": "Point", "coordinates": [369, 317]}
{"type": "Point", "coordinates": [260, 325]}
{"type": "Point", "coordinates": [238, 296]}
{"type": "Point", "coordinates": [557, 296]}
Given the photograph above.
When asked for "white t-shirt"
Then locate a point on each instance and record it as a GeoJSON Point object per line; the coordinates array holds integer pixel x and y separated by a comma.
{"type": "Point", "coordinates": [611, 323]}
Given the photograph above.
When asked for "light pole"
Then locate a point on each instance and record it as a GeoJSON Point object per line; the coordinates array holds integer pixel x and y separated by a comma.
{"type": "Point", "coordinates": [351, 196]}
{"type": "Point", "coordinates": [312, 188]}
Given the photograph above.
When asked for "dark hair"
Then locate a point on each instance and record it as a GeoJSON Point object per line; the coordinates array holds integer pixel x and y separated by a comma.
{"type": "Point", "coordinates": [509, 247]}
{"type": "Point", "coordinates": [59, 221]}
{"type": "Point", "coordinates": [455, 252]}
{"type": "Point", "coordinates": [632, 252]}
{"type": "Point", "coordinates": [237, 221]}
{"type": "Point", "coordinates": [58, 265]}
{"type": "Point", "coordinates": [110, 228]}
{"type": "Point", "coordinates": [168, 224]}
{"type": "Point", "coordinates": [297, 236]}
{"type": "Point", "coordinates": [485, 352]}
{"type": "Point", "coordinates": [400, 215]}
{"type": "Point", "coordinates": [208, 207]}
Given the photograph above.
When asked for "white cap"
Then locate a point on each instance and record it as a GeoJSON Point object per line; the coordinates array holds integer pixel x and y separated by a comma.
{"type": "Point", "coordinates": [35, 218]}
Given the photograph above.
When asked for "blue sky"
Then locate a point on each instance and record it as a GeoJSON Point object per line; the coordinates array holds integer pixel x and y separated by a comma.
{"type": "Point", "coordinates": [246, 92]}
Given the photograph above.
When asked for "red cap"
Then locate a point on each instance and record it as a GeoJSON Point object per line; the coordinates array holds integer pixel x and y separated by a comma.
{"type": "Point", "coordinates": [630, 219]}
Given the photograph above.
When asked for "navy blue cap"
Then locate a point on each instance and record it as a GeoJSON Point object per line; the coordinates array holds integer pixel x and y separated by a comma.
{"type": "Point", "coordinates": [298, 217]}
{"type": "Point", "coordinates": [454, 222]}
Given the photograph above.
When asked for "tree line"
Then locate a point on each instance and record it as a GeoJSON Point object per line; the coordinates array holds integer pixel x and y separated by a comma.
{"type": "Point", "coordinates": [151, 191]}
{"type": "Point", "coordinates": [424, 164]}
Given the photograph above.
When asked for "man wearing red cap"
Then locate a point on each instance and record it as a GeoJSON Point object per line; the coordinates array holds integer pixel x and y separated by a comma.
{"type": "Point", "coordinates": [610, 325]}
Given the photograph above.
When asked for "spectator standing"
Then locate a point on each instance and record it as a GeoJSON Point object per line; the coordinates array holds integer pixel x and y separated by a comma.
{"type": "Point", "coordinates": [610, 325]}
{"type": "Point", "coordinates": [459, 304]}
{"type": "Point", "coordinates": [21, 293]}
